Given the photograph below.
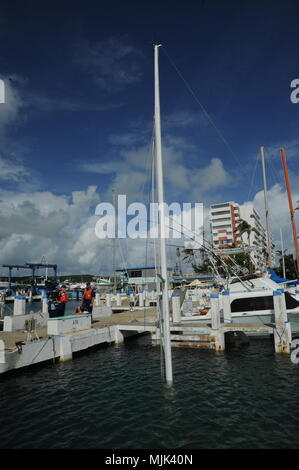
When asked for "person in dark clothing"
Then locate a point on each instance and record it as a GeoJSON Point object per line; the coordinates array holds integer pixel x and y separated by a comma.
{"type": "Point", "coordinates": [52, 301]}
{"type": "Point", "coordinates": [87, 298]}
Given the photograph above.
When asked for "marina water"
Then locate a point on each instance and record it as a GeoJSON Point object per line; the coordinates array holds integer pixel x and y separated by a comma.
{"type": "Point", "coordinates": [113, 398]}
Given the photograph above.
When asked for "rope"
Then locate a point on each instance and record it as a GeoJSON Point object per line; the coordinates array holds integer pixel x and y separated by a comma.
{"type": "Point", "coordinates": [40, 350]}
{"type": "Point", "coordinates": [221, 136]}
{"type": "Point", "coordinates": [253, 175]}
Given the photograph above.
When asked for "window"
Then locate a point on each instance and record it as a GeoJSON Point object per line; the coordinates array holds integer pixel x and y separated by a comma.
{"type": "Point", "coordinates": [251, 304]}
{"type": "Point", "coordinates": [222, 219]}
{"type": "Point", "coordinates": [290, 301]}
{"type": "Point", "coordinates": [135, 273]}
{"type": "Point", "coordinates": [218, 206]}
{"type": "Point", "coordinates": [220, 213]}
{"type": "Point", "coordinates": [227, 227]}
{"type": "Point", "coordinates": [261, 303]}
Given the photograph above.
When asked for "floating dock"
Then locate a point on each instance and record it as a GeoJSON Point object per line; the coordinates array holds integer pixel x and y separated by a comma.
{"type": "Point", "coordinates": [65, 336]}
{"type": "Point", "coordinates": [57, 339]}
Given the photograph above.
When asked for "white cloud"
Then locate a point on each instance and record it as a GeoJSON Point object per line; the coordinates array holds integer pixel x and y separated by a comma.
{"type": "Point", "coordinates": [184, 177]}
{"type": "Point", "coordinates": [112, 62]}
{"type": "Point", "coordinates": [9, 111]}
{"type": "Point", "coordinates": [12, 170]}
{"type": "Point", "coordinates": [44, 224]}
{"type": "Point", "coordinates": [279, 213]}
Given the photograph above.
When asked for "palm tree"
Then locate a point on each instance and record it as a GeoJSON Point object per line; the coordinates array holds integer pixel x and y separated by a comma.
{"type": "Point", "coordinates": [280, 253]}
{"type": "Point", "coordinates": [244, 227]}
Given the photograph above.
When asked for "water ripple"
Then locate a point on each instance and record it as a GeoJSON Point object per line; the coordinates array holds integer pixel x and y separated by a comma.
{"type": "Point", "coordinates": [113, 398]}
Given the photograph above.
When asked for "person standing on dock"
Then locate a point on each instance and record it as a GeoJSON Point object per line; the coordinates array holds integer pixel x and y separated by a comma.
{"type": "Point", "coordinates": [88, 296]}
{"type": "Point", "coordinates": [52, 304]}
{"type": "Point", "coordinates": [62, 300]}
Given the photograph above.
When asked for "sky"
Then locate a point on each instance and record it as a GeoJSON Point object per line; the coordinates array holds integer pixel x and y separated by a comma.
{"type": "Point", "coordinates": [78, 117]}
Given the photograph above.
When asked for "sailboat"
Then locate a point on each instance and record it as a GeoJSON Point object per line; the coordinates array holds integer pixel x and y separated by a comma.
{"type": "Point", "coordinates": [252, 299]}
{"type": "Point", "coordinates": [251, 302]}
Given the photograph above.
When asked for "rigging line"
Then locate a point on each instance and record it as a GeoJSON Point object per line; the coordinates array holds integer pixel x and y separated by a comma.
{"type": "Point", "coordinates": [45, 343]}
{"type": "Point", "coordinates": [147, 163]}
{"type": "Point", "coordinates": [209, 250]}
{"type": "Point", "coordinates": [278, 171]}
{"type": "Point", "coordinates": [123, 259]}
{"type": "Point", "coordinates": [217, 257]}
{"type": "Point", "coordinates": [204, 111]}
{"type": "Point", "coordinates": [253, 175]}
{"type": "Point", "coordinates": [275, 174]}
{"type": "Point", "coordinates": [273, 217]}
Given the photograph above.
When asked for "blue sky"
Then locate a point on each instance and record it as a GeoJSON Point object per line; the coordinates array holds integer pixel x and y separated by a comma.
{"type": "Point", "coordinates": [79, 108]}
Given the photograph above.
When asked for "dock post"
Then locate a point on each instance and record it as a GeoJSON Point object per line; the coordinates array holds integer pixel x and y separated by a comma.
{"type": "Point", "coordinates": [44, 305]}
{"type": "Point", "coordinates": [108, 299]}
{"type": "Point", "coordinates": [118, 336]}
{"type": "Point", "coordinates": [176, 308]}
{"type": "Point", "coordinates": [141, 299]}
{"type": "Point", "coordinates": [65, 349]}
{"type": "Point", "coordinates": [97, 299]}
{"type": "Point", "coordinates": [147, 300]}
{"type": "Point", "coordinates": [19, 306]}
{"type": "Point", "coordinates": [216, 333]}
{"type": "Point", "coordinates": [227, 314]}
{"type": "Point", "coordinates": [215, 311]}
{"type": "Point", "coordinates": [282, 331]}
{"type": "Point", "coordinates": [2, 352]}
{"type": "Point", "coordinates": [118, 299]}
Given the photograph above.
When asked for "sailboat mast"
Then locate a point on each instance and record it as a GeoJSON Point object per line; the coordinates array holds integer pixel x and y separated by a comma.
{"type": "Point", "coordinates": [269, 249]}
{"type": "Point", "coordinates": [282, 255]}
{"type": "Point", "coordinates": [160, 190]}
{"type": "Point", "coordinates": [113, 248]}
{"type": "Point", "coordinates": [292, 210]}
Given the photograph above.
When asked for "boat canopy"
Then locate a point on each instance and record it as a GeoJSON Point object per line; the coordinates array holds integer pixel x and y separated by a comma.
{"type": "Point", "coordinates": [280, 280]}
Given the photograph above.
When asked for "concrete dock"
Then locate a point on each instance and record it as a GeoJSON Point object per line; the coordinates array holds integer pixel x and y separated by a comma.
{"type": "Point", "coordinates": [55, 339]}
{"type": "Point", "coordinates": [17, 351]}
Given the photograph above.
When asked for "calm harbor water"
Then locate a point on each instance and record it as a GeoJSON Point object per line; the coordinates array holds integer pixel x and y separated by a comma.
{"type": "Point", "coordinates": [113, 398]}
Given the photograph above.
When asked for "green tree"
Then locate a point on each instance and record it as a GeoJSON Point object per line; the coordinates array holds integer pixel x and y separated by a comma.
{"type": "Point", "coordinates": [244, 227]}
{"type": "Point", "coordinates": [290, 267]}
{"type": "Point", "coordinates": [243, 260]}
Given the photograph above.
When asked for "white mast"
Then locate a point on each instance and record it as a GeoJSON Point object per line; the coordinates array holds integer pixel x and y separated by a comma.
{"type": "Point", "coordinates": [164, 327]}
{"type": "Point", "coordinates": [113, 241]}
{"type": "Point", "coordinates": [269, 250]}
{"type": "Point", "coordinates": [282, 255]}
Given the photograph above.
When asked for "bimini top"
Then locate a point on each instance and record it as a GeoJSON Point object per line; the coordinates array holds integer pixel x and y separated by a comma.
{"type": "Point", "coordinates": [280, 280]}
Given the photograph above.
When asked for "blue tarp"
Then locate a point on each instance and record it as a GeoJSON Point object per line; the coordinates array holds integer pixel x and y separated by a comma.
{"type": "Point", "coordinates": [278, 279]}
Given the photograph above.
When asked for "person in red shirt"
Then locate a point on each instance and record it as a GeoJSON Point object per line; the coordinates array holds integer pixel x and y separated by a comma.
{"type": "Point", "coordinates": [62, 300]}
{"type": "Point", "coordinates": [87, 298]}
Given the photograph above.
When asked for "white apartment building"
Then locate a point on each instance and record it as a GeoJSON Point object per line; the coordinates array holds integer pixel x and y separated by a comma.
{"type": "Point", "coordinates": [224, 220]}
